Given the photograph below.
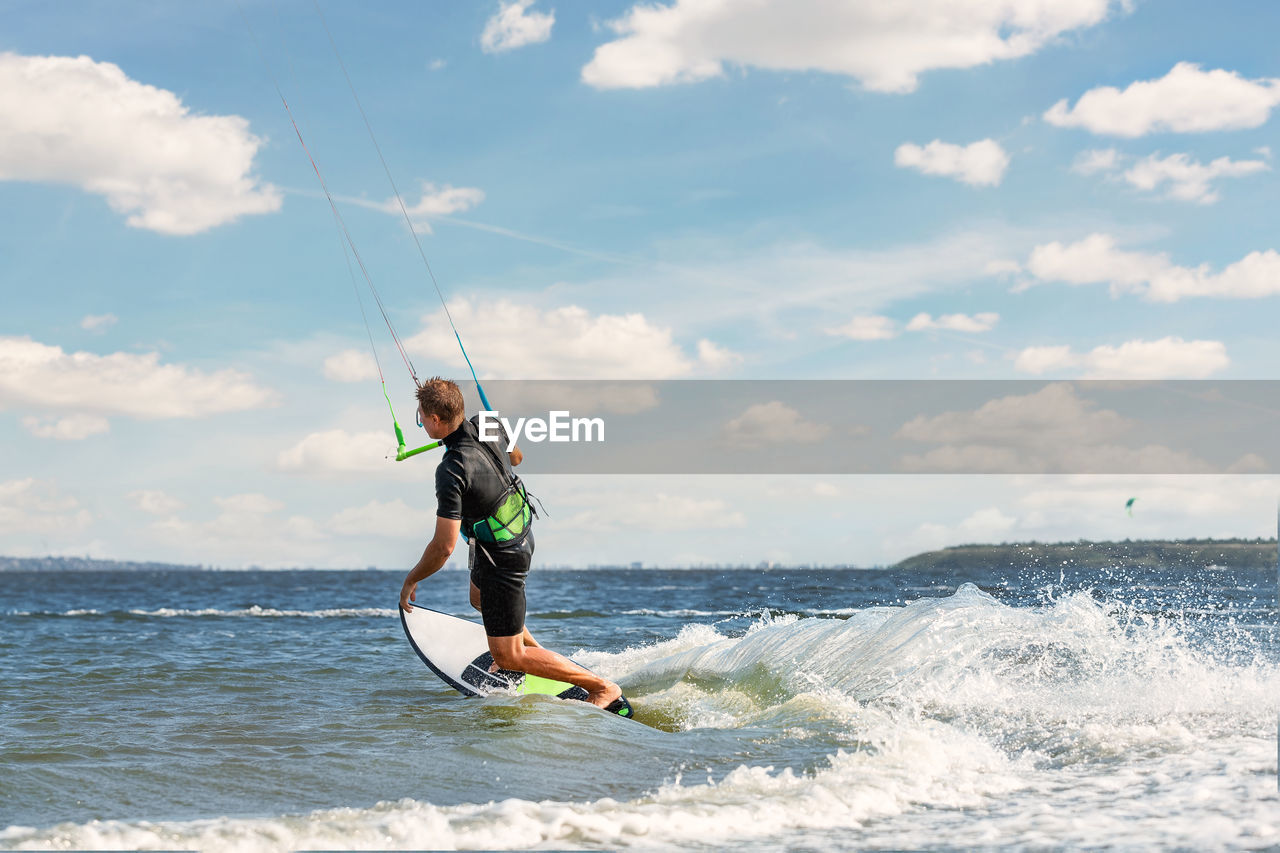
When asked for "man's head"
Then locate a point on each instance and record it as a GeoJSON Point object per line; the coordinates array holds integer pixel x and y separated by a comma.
{"type": "Point", "coordinates": [440, 406]}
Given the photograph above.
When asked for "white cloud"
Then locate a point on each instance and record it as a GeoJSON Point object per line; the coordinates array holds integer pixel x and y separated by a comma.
{"type": "Point", "coordinates": [525, 342]}
{"type": "Point", "coordinates": [1057, 508]}
{"type": "Point", "coordinates": [1186, 100]}
{"type": "Point", "coordinates": [350, 365]}
{"type": "Point", "coordinates": [1093, 260]}
{"type": "Point", "coordinates": [1002, 266]}
{"type": "Point", "coordinates": [875, 327]}
{"type": "Point", "coordinates": [338, 451]}
{"type": "Point", "coordinates": [98, 322]}
{"type": "Point", "coordinates": [1249, 463]}
{"type": "Point", "coordinates": [1166, 358]}
{"type": "Point", "coordinates": [1050, 430]}
{"type": "Point", "coordinates": [983, 322]}
{"type": "Point", "coordinates": [1053, 415]}
{"type": "Point", "coordinates": [986, 525]}
{"type": "Point", "coordinates": [662, 513]}
{"type": "Point", "coordinates": [715, 357]}
{"type": "Point", "coordinates": [771, 423]}
{"type": "Point", "coordinates": [435, 201]}
{"type": "Point", "coordinates": [391, 519]}
{"type": "Point", "coordinates": [883, 45]}
{"type": "Point", "coordinates": [1044, 359]}
{"type": "Point", "coordinates": [71, 120]}
{"type": "Point", "coordinates": [35, 374]}
{"type": "Point", "coordinates": [513, 26]}
{"type": "Point", "coordinates": [978, 164]}
{"type": "Point", "coordinates": [1096, 160]}
{"type": "Point", "coordinates": [69, 428]}
{"type": "Point", "coordinates": [31, 506]}
{"type": "Point", "coordinates": [155, 502]}
{"type": "Point", "coordinates": [783, 287]}
{"type": "Point", "coordinates": [866, 328]}
{"type": "Point", "coordinates": [1213, 505]}
{"type": "Point", "coordinates": [442, 201]}
{"type": "Point", "coordinates": [250, 528]}
{"type": "Point", "coordinates": [1188, 180]}
{"type": "Point", "coordinates": [250, 503]}
{"type": "Point", "coordinates": [1097, 260]}
{"type": "Point", "coordinates": [598, 397]}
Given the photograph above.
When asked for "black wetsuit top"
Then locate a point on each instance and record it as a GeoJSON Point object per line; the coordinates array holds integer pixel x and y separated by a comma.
{"type": "Point", "coordinates": [469, 481]}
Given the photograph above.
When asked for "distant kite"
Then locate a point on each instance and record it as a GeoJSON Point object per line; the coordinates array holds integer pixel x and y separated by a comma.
{"type": "Point", "coordinates": [1128, 506]}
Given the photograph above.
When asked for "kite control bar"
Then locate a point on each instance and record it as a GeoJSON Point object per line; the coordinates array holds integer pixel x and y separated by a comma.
{"type": "Point", "coordinates": [403, 454]}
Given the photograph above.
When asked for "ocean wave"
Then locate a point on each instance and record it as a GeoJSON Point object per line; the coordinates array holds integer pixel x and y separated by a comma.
{"type": "Point", "coordinates": [256, 611]}
{"type": "Point", "coordinates": [569, 614]}
{"type": "Point", "coordinates": [968, 655]}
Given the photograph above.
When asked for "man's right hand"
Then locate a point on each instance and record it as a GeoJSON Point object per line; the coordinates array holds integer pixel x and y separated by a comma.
{"type": "Point", "coordinates": [433, 559]}
{"type": "Point", "coordinates": [408, 593]}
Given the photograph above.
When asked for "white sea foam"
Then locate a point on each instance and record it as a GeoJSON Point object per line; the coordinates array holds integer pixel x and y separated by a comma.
{"type": "Point", "coordinates": [936, 765]}
{"type": "Point", "coordinates": [930, 784]}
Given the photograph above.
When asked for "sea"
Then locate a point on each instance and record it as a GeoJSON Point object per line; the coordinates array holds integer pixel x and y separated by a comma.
{"type": "Point", "coordinates": [1001, 708]}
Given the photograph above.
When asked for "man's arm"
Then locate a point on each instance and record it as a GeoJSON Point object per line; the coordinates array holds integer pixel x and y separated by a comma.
{"type": "Point", "coordinates": [433, 558]}
{"type": "Point", "coordinates": [515, 456]}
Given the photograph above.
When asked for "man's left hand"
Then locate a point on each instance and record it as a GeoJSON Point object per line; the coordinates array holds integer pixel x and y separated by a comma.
{"type": "Point", "coordinates": [408, 593]}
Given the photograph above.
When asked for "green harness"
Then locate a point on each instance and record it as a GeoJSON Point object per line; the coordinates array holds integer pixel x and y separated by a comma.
{"type": "Point", "coordinates": [511, 515]}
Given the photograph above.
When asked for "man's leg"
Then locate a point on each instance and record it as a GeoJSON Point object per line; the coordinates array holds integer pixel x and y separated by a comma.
{"type": "Point", "coordinates": [512, 653]}
{"type": "Point", "coordinates": [475, 590]}
{"type": "Point", "coordinates": [475, 602]}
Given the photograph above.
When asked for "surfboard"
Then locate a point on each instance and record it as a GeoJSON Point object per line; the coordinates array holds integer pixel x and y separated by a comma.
{"type": "Point", "coordinates": [457, 650]}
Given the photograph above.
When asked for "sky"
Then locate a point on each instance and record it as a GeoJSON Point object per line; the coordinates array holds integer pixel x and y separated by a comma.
{"type": "Point", "coordinates": [692, 189]}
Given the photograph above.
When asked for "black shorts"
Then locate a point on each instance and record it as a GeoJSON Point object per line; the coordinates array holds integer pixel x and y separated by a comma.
{"type": "Point", "coordinates": [498, 571]}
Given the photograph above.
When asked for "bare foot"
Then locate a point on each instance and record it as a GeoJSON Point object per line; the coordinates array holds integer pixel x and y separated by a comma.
{"type": "Point", "coordinates": [604, 697]}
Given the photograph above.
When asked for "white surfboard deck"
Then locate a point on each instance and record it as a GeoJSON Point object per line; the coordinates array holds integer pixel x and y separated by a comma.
{"type": "Point", "coordinates": [457, 650]}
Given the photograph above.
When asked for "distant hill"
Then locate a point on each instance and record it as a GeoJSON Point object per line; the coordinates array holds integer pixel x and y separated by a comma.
{"type": "Point", "coordinates": [1150, 553]}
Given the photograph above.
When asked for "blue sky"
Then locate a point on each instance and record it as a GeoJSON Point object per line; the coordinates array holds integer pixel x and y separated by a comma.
{"type": "Point", "coordinates": [977, 189]}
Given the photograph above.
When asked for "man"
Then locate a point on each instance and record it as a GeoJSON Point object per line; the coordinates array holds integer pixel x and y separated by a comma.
{"type": "Point", "coordinates": [476, 494]}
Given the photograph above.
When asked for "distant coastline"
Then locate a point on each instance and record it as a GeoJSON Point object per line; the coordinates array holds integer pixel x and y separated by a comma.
{"type": "Point", "coordinates": [1139, 553]}
{"type": "Point", "coordinates": [88, 564]}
